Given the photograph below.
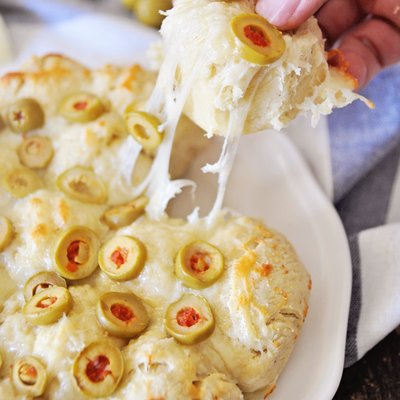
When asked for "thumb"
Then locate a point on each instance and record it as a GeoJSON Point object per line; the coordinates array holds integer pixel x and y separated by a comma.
{"type": "Point", "coordinates": [288, 14]}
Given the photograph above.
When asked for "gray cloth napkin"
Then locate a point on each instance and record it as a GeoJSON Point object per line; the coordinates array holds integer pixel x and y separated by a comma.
{"type": "Point", "coordinates": [366, 181]}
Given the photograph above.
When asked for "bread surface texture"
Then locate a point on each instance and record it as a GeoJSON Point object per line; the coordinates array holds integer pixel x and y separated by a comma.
{"type": "Point", "coordinates": [195, 35]}
{"type": "Point", "coordinates": [49, 79]}
{"type": "Point", "coordinates": [259, 305]}
{"type": "Point", "coordinates": [259, 302]}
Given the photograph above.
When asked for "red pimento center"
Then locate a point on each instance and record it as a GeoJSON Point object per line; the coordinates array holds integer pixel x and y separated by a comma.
{"type": "Point", "coordinates": [123, 313]}
{"type": "Point", "coordinates": [98, 368]}
{"type": "Point", "coordinates": [33, 147]}
{"type": "Point", "coordinates": [73, 254]}
{"type": "Point", "coordinates": [256, 35]}
{"type": "Point", "coordinates": [46, 302]}
{"type": "Point", "coordinates": [19, 117]}
{"type": "Point", "coordinates": [28, 374]}
{"type": "Point", "coordinates": [200, 262]}
{"type": "Point", "coordinates": [187, 317]}
{"type": "Point", "coordinates": [80, 105]}
{"type": "Point", "coordinates": [41, 286]}
{"type": "Point", "coordinates": [119, 256]}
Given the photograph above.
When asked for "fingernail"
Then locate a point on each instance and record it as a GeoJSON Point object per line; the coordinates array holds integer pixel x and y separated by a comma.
{"type": "Point", "coordinates": [277, 13]}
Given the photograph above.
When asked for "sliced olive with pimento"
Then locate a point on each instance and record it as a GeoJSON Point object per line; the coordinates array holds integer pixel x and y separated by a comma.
{"type": "Point", "coordinates": [75, 252]}
{"type": "Point", "coordinates": [21, 182]}
{"type": "Point", "coordinates": [122, 257]}
{"type": "Point", "coordinates": [122, 314]}
{"type": "Point", "coordinates": [125, 214]}
{"type": "Point", "coordinates": [81, 107]}
{"type": "Point", "coordinates": [190, 319]}
{"type": "Point", "coordinates": [82, 184]}
{"type": "Point", "coordinates": [199, 264]}
{"type": "Point", "coordinates": [41, 281]}
{"type": "Point", "coordinates": [255, 39]}
{"type": "Point", "coordinates": [144, 127]}
{"type": "Point", "coordinates": [25, 115]}
{"type": "Point", "coordinates": [35, 151]}
{"type": "Point", "coordinates": [48, 306]}
{"type": "Point", "coordinates": [6, 232]}
{"type": "Point", "coordinates": [98, 369]}
{"type": "Point", "coordinates": [29, 376]}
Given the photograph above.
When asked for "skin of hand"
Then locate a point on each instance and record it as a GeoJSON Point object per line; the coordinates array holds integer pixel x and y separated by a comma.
{"type": "Point", "coordinates": [368, 31]}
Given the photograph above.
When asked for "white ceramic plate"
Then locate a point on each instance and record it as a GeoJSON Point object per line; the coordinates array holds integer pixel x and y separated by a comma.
{"type": "Point", "coordinates": [269, 181]}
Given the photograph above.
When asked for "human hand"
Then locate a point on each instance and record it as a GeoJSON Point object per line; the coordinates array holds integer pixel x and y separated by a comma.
{"type": "Point", "coordinates": [369, 30]}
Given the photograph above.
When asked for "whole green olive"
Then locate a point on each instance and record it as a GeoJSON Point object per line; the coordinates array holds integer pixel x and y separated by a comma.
{"type": "Point", "coordinates": [148, 11]}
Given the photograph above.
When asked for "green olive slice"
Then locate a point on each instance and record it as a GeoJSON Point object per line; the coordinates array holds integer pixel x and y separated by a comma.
{"type": "Point", "coordinates": [255, 39]}
{"type": "Point", "coordinates": [22, 181]}
{"type": "Point", "coordinates": [122, 314]}
{"type": "Point", "coordinates": [29, 376]}
{"type": "Point", "coordinates": [118, 216]}
{"type": "Point", "coordinates": [6, 232]}
{"type": "Point", "coordinates": [122, 257]}
{"type": "Point", "coordinates": [98, 369]}
{"type": "Point", "coordinates": [82, 184]}
{"type": "Point", "coordinates": [48, 306]}
{"type": "Point", "coordinates": [35, 151]}
{"type": "Point", "coordinates": [25, 115]}
{"type": "Point", "coordinates": [75, 252]}
{"type": "Point", "coordinates": [143, 126]}
{"type": "Point", "coordinates": [190, 319]}
{"type": "Point", "coordinates": [41, 281]}
{"type": "Point", "coordinates": [81, 107]}
{"type": "Point", "coordinates": [199, 264]}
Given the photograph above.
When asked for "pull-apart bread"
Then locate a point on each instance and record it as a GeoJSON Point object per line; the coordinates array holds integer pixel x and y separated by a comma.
{"type": "Point", "coordinates": [102, 294]}
{"type": "Point", "coordinates": [300, 81]}
{"type": "Point", "coordinates": [97, 298]}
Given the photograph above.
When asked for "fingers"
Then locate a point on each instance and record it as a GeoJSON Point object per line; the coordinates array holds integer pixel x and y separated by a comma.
{"type": "Point", "coordinates": [369, 32]}
{"type": "Point", "coordinates": [370, 48]}
{"type": "Point", "coordinates": [338, 16]}
{"type": "Point", "coordinates": [288, 14]}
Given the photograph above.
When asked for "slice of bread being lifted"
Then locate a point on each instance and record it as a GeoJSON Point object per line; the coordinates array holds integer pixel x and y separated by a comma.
{"type": "Point", "coordinates": [299, 82]}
